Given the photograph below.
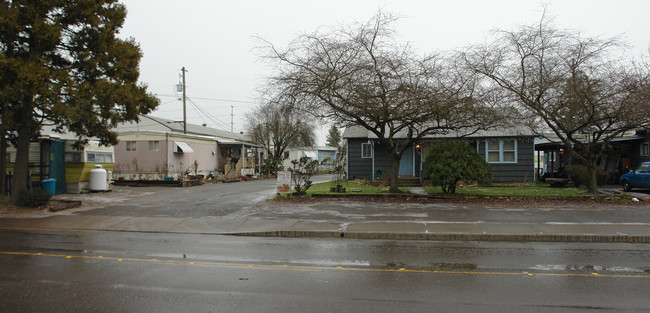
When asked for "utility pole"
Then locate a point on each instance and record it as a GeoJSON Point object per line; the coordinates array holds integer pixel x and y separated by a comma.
{"type": "Point", "coordinates": [231, 118]}
{"type": "Point", "coordinates": [184, 102]}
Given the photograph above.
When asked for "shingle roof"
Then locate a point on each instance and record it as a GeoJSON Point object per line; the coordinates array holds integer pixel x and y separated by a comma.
{"type": "Point", "coordinates": [360, 132]}
{"type": "Point", "coordinates": [153, 123]}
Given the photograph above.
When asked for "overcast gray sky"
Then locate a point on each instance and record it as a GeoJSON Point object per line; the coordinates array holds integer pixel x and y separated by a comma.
{"type": "Point", "coordinates": [215, 40]}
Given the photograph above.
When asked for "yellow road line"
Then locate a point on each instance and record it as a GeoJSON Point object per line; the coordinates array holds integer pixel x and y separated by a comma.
{"type": "Point", "coordinates": [287, 267]}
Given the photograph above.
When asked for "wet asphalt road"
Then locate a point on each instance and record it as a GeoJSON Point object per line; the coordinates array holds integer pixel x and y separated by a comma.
{"type": "Point", "coordinates": [75, 271]}
{"type": "Point", "coordinates": [45, 271]}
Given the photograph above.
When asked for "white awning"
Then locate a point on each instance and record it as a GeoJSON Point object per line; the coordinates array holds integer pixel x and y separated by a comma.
{"type": "Point", "coordinates": [310, 154]}
{"type": "Point", "coordinates": [182, 147]}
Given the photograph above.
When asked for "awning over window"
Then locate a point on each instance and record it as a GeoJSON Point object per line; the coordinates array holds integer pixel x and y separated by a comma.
{"type": "Point", "coordinates": [310, 154]}
{"type": "Point", "coordinates": [182, 147]}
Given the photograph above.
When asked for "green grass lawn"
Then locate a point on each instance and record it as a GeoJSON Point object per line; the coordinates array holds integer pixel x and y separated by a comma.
{"type": "Point", "coordinates": [503, 191]}
{"type": "Point", "coordinates": [350, 188]}
{"type": "Point", "coordinates": [509, 191]}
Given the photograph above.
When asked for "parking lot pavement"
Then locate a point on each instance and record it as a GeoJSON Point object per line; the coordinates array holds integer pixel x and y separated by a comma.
{"type": "Point", "coordinates": [244, 209]}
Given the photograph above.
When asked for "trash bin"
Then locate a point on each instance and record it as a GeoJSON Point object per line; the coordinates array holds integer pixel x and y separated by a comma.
{"type": "Point", "coordinates": [49, 185]}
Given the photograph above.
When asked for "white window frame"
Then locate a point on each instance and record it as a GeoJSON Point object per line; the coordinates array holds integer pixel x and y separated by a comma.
{"type": "Point", "coordinates": [72, 157]}
{"type": "Point", "coordinates": [501, 151]}
{"type": "Point", "coordinates": [130, 145]}
{"type": "Point", "coordinates": [645, 149]}
{"type": "Point", "coordinates": [368, 150]}
{"type": "Point", "coordinates": [99, 157]}
{"type": "Point", "coordinates": [154, 145]}
{"type": "Point", "coordinates": [328, 157]}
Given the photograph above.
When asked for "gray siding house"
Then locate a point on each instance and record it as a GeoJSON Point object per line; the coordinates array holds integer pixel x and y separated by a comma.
{"type": "Point", "coordinates": [625, 153]}
{"type": "Point", "coordinates": [510, 153]}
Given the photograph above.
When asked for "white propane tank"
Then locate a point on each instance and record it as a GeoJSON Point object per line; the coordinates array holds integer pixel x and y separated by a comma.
{"type": "Point", "coordinates": [97, 179]}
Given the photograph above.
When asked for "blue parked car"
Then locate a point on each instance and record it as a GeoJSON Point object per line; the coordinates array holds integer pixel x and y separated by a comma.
{"type": "Point", "coordinates": [639, 178]}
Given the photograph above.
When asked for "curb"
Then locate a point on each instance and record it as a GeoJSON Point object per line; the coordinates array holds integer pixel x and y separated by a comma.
{"type": "Point", "coordinates": [566, 238]}
{"type": "Point", "coordinates": [586, 238]}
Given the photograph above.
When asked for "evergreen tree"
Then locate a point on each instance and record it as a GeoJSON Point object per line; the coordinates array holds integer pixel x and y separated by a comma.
{"type": "Point", "coordinates": [61, 64]}
{"type": "Point", "coordinates": [333, 138]}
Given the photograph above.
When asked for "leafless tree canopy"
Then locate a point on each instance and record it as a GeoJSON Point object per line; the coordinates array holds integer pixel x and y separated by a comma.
{"type": "Point", "coordinates": [360, 75]}
{"type": "Point", "coordinates": [580, 88]}
{"type": "Point", "coordinates": [279, 125]}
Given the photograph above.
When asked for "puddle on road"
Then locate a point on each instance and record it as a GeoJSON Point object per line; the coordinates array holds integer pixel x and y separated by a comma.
{"type": "Point", "coordinates": [587, 268]}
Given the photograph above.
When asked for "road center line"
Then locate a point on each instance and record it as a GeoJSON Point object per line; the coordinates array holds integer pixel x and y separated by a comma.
{"type": "Point", "coordinates": [286, 267]}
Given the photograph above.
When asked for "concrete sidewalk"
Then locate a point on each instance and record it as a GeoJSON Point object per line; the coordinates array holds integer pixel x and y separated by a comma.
{"type": "Point", "coordinates": [450, 231]}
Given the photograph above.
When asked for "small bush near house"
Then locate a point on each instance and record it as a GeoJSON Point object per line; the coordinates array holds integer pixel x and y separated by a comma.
{"type": "Point", "coordinates": [447, 163]}
{"type": "Point", "coordinates": [32, 198]}
{"type": "Point", "coordinates": [301, 174]}
{"type": "Point", "coordinates": [272, 166]}
{"type": "Point", "coordinates": [580, 175]}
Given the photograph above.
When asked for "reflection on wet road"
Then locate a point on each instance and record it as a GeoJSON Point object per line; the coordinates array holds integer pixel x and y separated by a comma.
{"type": "Point", "coordinates": [105, 271]}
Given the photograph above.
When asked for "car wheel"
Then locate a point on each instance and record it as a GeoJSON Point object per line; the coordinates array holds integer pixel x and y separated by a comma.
{"type": "Point", "coordinates": [626, 186]}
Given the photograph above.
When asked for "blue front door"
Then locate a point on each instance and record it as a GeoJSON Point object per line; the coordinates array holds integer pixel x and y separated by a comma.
{"type": "Point", "coordinates": [406, 163]}
{"type": "Point", "coordinates": [57, 165]}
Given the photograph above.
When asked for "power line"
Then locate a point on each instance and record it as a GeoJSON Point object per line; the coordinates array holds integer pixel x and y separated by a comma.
{"type": "Point", "coordinates": [170, 101]}
{"type": "Point", "coordinates": [225, 100]}
{"type": "Point", "coordinates": [210, 99]}
{"type": "Point", "coordinates": [207, 114]}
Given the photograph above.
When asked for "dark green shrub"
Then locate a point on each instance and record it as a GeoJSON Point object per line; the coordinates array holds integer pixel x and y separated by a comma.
{"type": "Point", "coordinates": [32, 198]}
{"type": "Point", "coordinates": [272, 166]}
{"type": "Point", "coordinates": [447, 163]}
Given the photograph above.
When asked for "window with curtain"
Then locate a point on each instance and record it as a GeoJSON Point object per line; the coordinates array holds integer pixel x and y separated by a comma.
{"type": "Point", "coordinates": [366, 150]}
{"type": "Point", "coordinates": [501, 151]}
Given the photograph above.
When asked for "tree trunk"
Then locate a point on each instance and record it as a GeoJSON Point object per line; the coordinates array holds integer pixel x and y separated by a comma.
{"type": "Point", "coordinates": [3, 164]}
{"type": "Point", "coordinates": [21, 166]}
{"type": "Point", "coordinates": [592, 178]}
{"type": "Point", "coordinates": [394, 177]}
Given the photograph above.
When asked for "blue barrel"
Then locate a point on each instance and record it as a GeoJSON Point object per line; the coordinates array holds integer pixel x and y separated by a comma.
{"type": "Point", "coordinates": [49, 185]}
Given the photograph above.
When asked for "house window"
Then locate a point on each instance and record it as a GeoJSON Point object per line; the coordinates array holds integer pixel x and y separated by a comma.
{"type": "Point", "coordinates": [154, 145]}
{"type": "Point", "coordinates": [8, 157]}
{"type": "Point", "coordinates": [286, 155]}
{"type": "Point", "coordinates": [366, 150]}
{"type": "Point", "coordinates": [73, 157]}
{"type": "Point", "coordinates": [97, 157]}
{"type": "Point", "coordinates": [645, 149]}
{"type": "Point", "coordinates": [130, 146]}
{"type": "Point", "coordinates": [501, 151]}
{"type": "Point", "coordinates": [328, 157]}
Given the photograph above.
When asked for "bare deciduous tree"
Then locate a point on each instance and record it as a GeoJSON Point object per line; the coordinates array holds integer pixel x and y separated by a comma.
{"type": "Point", "coordinates": [361, 76]}
{"type": "Point", "coordinates": [279, 125]}
{"type": "Point", "coordinates": [579, 88]}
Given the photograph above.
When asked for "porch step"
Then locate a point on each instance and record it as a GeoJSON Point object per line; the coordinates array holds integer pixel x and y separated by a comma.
{"type": "Point", "coordinates": [408, 181]}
